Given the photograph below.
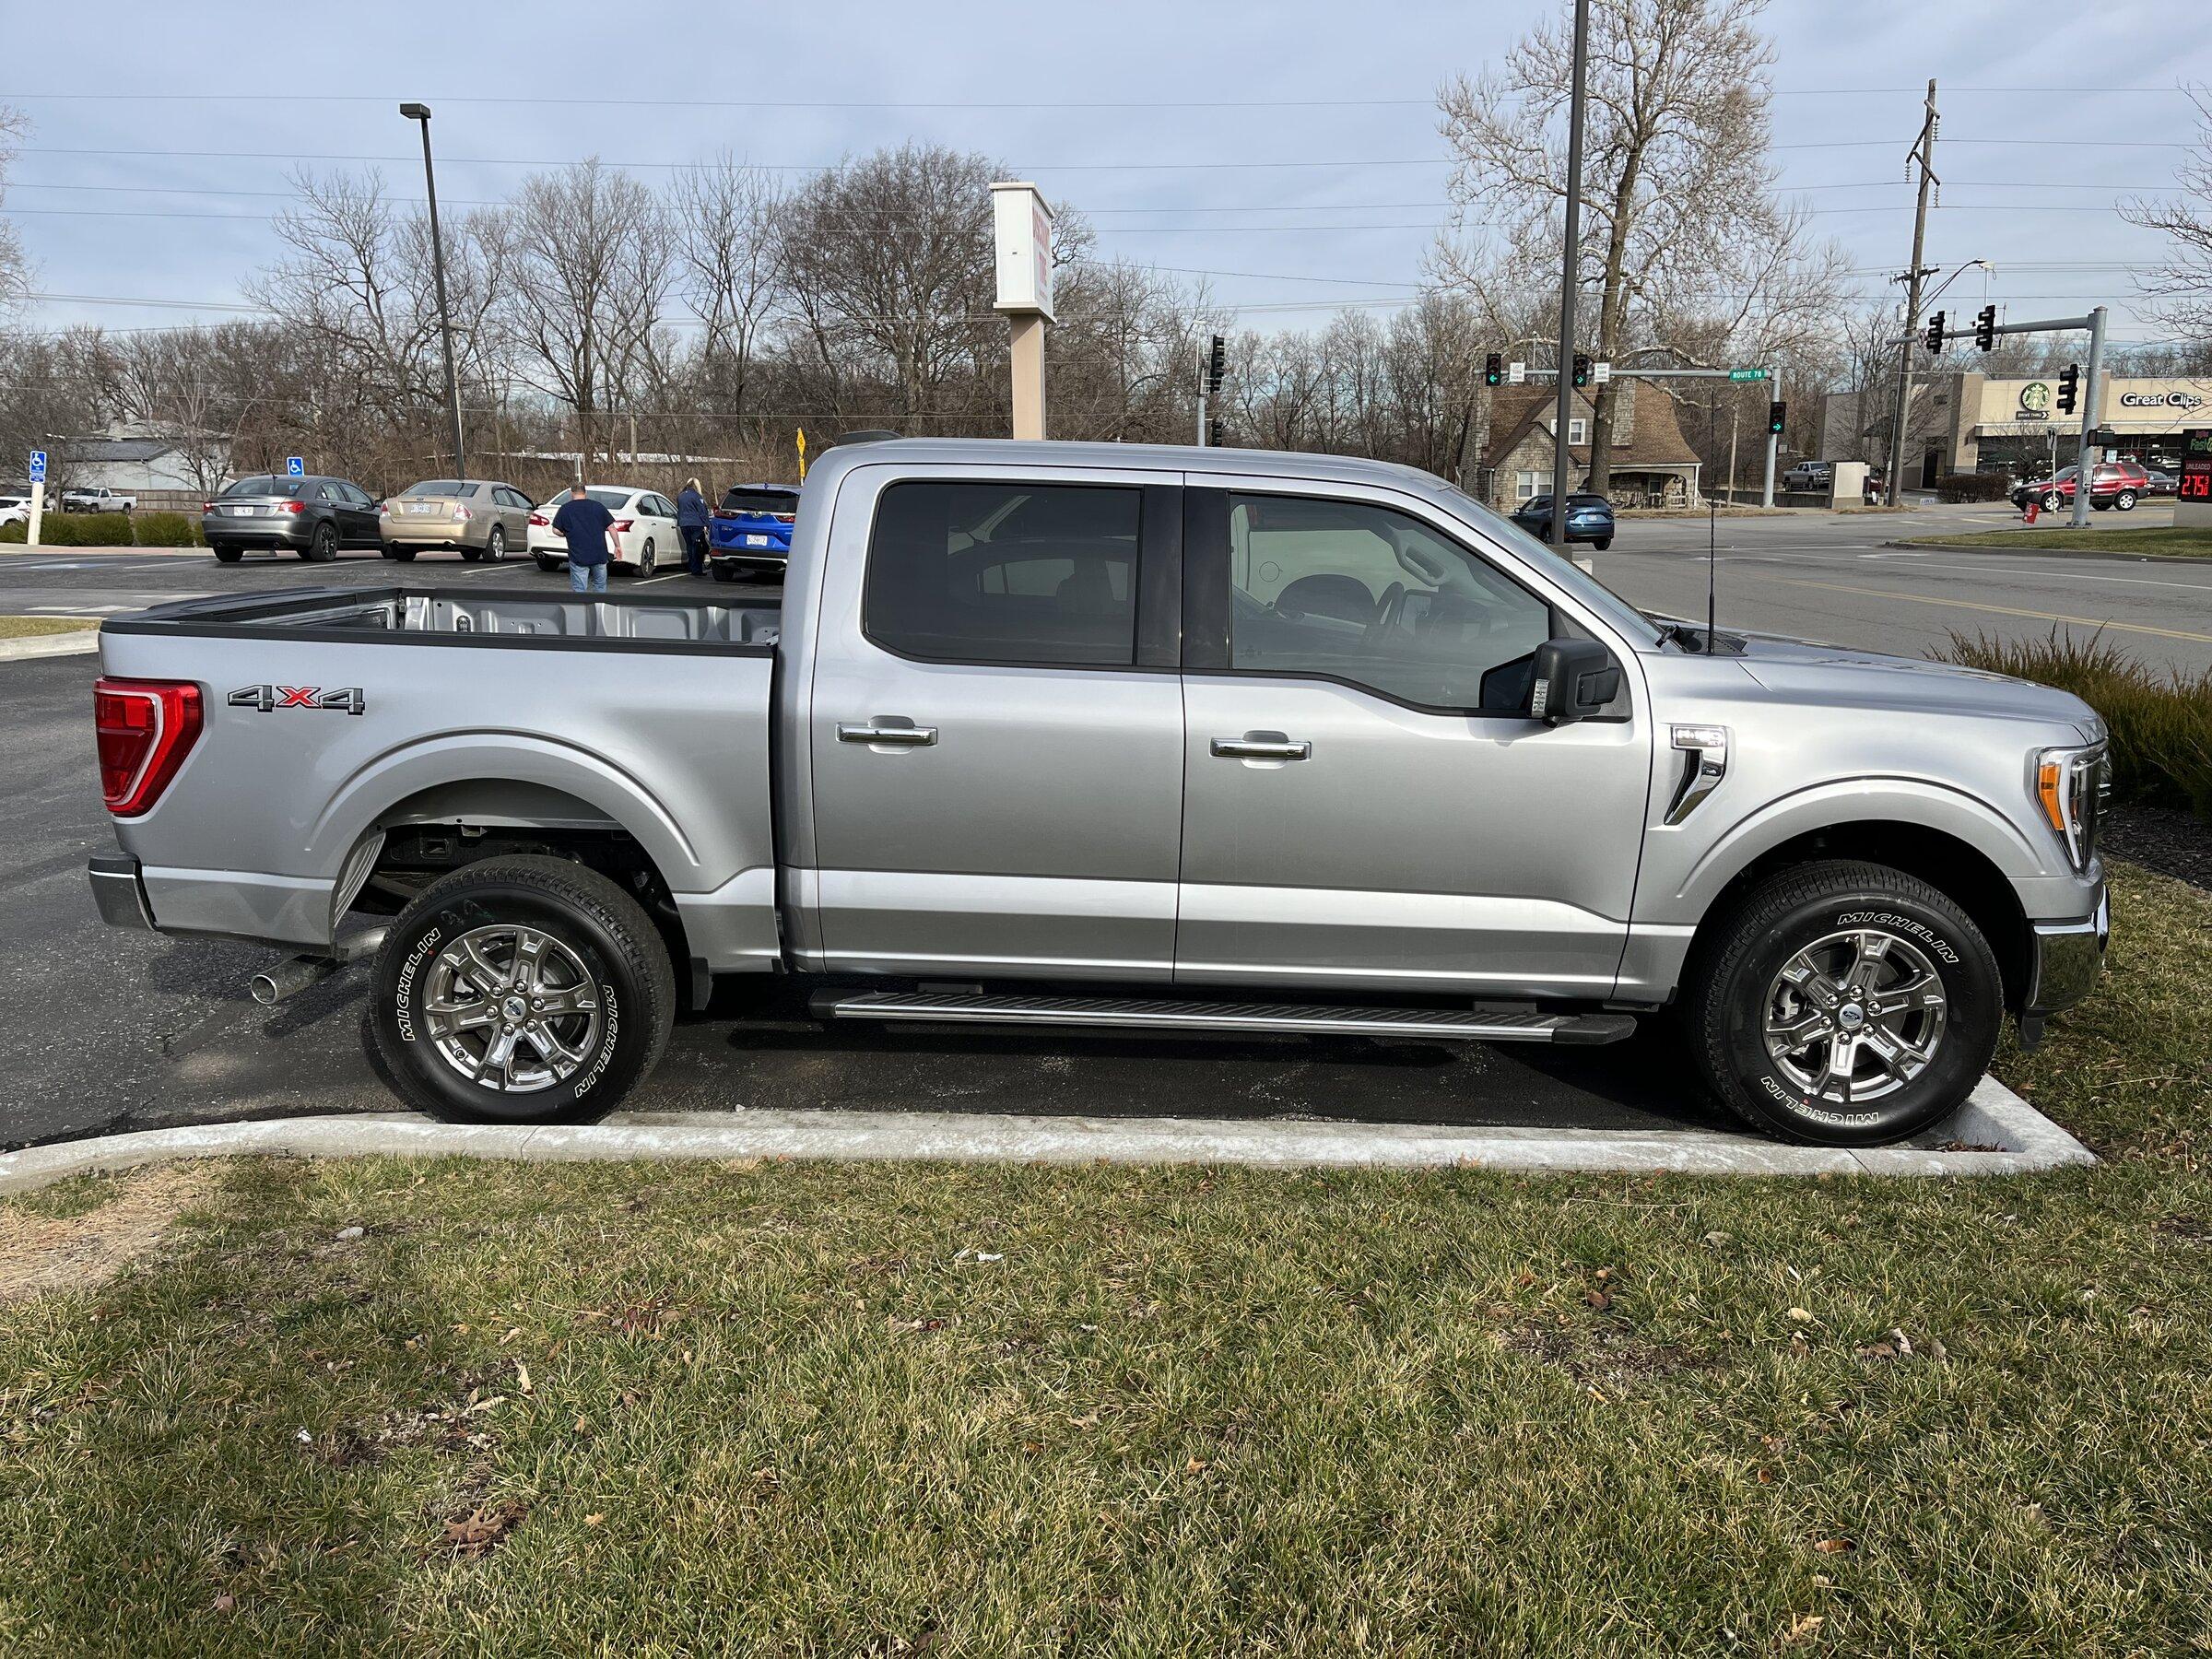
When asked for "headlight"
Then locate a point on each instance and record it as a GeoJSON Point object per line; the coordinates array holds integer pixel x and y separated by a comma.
{"type": "Point", "coordinates": [2070, 786]}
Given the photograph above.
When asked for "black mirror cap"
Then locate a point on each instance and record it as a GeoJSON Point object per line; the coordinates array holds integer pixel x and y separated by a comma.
{"type": "Point", "coordinates": [1573, 680]}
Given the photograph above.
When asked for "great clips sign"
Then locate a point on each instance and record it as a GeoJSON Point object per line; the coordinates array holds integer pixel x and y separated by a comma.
{"type": "Point", "coordinates": [2161, 400]}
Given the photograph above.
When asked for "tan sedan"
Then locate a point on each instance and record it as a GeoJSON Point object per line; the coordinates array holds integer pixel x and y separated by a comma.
{"type": "Point", "coordinates": [475, 518]}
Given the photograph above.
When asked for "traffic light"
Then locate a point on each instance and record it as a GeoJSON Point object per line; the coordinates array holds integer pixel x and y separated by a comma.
{"type": "Point", "coordinates": [1493, 370]}
{"type": "Point", "coordinates": [1935, 331]}
{"type": "Point", "coordinates": [1986, 328]}
{"type": "Point", "coordinates": [1217, 435]}
{"type": "Point", "coordinates": [1777, 413]}
{"type": "Point", "coordinates": [2069, 378]}
{"type": "Point", "coordinates": [1582, 369]}
{"type": "Point", "coordinates": [1217, 365]}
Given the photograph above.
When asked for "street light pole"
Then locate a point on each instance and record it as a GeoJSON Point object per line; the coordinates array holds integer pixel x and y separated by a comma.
{"type": "Point", "coordinates": [421, 112]}
{"type": "Point", "coordinates": [1923, 151]}
{"type": "Point", "coordinates": [1562, 463]}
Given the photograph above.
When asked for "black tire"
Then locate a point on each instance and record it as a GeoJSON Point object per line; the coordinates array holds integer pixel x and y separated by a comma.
{"type": "Point", "coordinates": [405, 555]}
{"type": "Point", "coordinates": [495, 545]}
{"type": "Point", "coordinates": [1602, 543]}
{"type": "Point", "coordinates": [722, 572]}
{"type": "Point", "coordinates": [1732, 975]}
{"type": "Point", "coordinates": [2124, 500]}
{"type": "Point", "coordinates": [472, 554]}
{"type": "Point", "coordinates": [646, 559]}
{"type": "Point", "coordinates": [226, 555]}
{"type": "Point", "coordinates": [2052, 501]}
{"type": "Point", "coordinates": [324, 546]}
{"type": "Point", "coordinates": [549, 565]}
{"type": "Point", "coordinates": [604, 929]}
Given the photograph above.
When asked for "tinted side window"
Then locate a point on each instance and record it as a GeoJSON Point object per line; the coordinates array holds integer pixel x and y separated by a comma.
{"type": "Point", "coordinates": [1362, 593]}
{"type": "Point", "coordinates": [1005, 573]}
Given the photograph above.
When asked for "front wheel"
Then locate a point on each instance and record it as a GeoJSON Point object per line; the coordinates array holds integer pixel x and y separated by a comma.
{"type": "Point", "coordinates": [2126, 500]}
{"type": "Point", "coordinates": [1844, 1003]}
{"type": "Point", "coordinates": [2052, 501]}
{"type": "Point", "coordinates": [521, 990]}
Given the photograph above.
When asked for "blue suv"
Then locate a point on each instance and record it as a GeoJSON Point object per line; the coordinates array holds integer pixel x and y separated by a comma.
{"type": "Point", "coordinates": [750, 531]}
{"type": "Point", "coordinates": [1589, 519]}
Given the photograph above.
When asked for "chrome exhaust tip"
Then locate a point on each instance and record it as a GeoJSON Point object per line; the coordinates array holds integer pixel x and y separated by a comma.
{"type": "Point", "coordinates": [291, 977]}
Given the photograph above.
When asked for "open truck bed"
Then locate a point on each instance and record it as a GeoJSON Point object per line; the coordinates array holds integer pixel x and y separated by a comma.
{"type": "Point", "coordinates": [330, 724]}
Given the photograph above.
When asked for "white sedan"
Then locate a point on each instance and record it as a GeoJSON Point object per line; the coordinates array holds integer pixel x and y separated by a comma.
{"type": "Point", "coordinates": [644, 532]}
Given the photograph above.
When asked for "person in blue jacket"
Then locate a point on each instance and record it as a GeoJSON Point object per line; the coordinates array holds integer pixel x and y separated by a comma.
{"type": "Point", "coordinates": [584, 523]}
{"type": "Point", "coordinates": [691, 523]}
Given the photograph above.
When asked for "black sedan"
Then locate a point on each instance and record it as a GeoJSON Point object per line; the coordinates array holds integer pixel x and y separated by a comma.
{"type": "Point", "coordinates": [1589, 519]}
{"type": "Point", "coordinates": [313, 517]}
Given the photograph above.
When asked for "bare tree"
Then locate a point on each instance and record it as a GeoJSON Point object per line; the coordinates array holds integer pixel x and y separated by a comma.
{"type": "Point", "coordinates": [727, 216]}
{"type": "Point", "coordinates": [15, 268]}
{"type": "Point", "coordinates": [1676, 188]}
{"type": "Point", "coordinates": [2182, 285]}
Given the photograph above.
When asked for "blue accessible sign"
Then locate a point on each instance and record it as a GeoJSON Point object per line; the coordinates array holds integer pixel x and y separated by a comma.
{"type": "Point", "coordinates": [294, 467]}
{"type": "Point", "coordinates": [38, 467]}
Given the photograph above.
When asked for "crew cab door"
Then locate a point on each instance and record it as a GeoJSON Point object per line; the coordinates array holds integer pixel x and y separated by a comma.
{"type": "Point", "coordinates": [1368, 803]}
{"type": "Point", "coordinates": [995, 725]}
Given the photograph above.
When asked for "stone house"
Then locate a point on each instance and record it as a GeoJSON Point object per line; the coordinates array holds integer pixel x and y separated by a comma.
{"type": "Point", "coordinates": [1652, 463]}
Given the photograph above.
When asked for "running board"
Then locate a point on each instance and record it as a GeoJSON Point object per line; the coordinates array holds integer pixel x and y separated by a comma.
{"type": "Point", "coordinates": [1308, 1019]}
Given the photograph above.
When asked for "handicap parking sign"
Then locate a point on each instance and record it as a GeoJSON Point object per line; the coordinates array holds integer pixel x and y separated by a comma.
{"type": "Point", "coordinates": [294, 467]}
{"type": "Point", "coordinates": [38, 467]}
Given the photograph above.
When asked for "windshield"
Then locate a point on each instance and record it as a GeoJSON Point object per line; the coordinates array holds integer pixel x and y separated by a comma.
{"type": "Point", "coordinates": [440, 486]}
{"type": "Point", "coordinates": [614, 500]}
{"type": "Point", "coordinates": [1565, 572]}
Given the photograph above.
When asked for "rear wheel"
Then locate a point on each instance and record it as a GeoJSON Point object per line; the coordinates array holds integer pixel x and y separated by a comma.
{"type": "Point", "coordinates": [547, 565]}
{"type": "Point", "coordinates": [2126, 500]}
{"type": "Point", "coordinates": [722, 572]}
{"type": "Point", "coordinates": [495, 545]}
{"type": "Point", "coordinates": [405, 555]}
{"type": "Point", "coordinates": [521, 990]}
{"type": "Point", "coordinates": [1843, 1004]}
{"type": "Point", "coordinates": [323, 546]}
{"type": "Point", "coordinates": [226, 555]}
{"type": "Point", "coordinates": [645, 559]}
{"type": "Point", "coordinates": [1602, 543]}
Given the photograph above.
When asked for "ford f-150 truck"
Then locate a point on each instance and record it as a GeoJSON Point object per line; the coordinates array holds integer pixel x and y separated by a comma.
{"type": "Point", "coordinates": [1105, 736]}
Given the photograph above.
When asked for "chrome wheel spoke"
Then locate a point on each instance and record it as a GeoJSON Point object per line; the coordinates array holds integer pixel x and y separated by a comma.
{"type": "Point", "coordinates": [1854, 1016]}
{"type": "Point", "coordinates": [529, 952]}
{"type": "Point", "coordinates": [567, 999]}
{"type": "Point", "coordinates": [498, 1053]}
{"type": "Point", "coordinates": [1842, 1060]}
{"type": "Point", "coordinates": [478, 969]}
{"type": "Point", "coordinates": [510, 1008]}
{"type": "Point", "coordinates": [1871, 952]}
{"type": "Point", "coordinates": [1796, 1033]}
{"type": "Point", "coordinates": [552, 1050]}
{"type": "Point", "coordinates": [1923, 990]}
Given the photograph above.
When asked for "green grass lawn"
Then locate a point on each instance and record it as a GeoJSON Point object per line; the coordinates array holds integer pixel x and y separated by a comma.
{"type": "Point", "coordinates": [23, 628]}
{"type": "Point", "coordinates": [897, 1409]}
{"type": "Point", "coordinates": [2193, 541]}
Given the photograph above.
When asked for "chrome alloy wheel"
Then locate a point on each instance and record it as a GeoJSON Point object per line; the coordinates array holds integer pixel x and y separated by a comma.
{"type": "Point", "coordinates": [510, 1008]}
{"type": "Point", "coordinates": [1854, 1016]}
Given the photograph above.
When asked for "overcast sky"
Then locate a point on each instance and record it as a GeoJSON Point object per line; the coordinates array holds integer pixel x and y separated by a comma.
{"type": "Point", "coordinates": [1229, 172]}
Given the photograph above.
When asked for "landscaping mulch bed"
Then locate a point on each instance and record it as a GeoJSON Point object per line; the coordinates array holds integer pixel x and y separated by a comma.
{"type": "Point", "coordinates": [2160, 838]}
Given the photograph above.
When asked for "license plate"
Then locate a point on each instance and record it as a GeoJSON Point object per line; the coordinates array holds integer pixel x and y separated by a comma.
{"type": "Point", "coordinates": [242, 511]}
{"type": "Point", "coordinates": [756, 541]}
{"type": "Point", "coordinates": [421, 509]}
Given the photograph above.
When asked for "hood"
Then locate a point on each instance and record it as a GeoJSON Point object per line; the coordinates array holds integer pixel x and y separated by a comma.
{"type": "Point", "coordinates": [1838, 673]}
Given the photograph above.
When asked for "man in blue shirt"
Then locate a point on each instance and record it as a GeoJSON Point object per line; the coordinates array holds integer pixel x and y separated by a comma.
{"type": "Point", "coordinates": [691, 521]}
{"type": "Point", "coordinates": [584, 523]}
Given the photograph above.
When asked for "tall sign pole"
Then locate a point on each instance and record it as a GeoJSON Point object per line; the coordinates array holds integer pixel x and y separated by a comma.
{"type": "Point", "coordinates": [1924, 151]}
{"type": "Point", "coordinates": [421, 112]}
{"type": "Point", "coordinates": [2092, 417]}
{"type": "Point", "coordinates": [1022, 227]}
{"type": "Point", "coordinates": [1562, 461]}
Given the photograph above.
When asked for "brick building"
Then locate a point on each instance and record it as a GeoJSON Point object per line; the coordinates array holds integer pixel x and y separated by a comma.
{"type": "Point", "coordinates": [1652, 463]}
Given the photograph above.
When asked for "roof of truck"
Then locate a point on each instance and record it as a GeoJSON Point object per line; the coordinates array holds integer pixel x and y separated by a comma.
{"type": "Point", "coordinates": [1166, 457]}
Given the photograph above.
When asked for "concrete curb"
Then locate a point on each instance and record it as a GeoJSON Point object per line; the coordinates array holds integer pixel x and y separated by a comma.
{"type": "Point", "coordinates": [2110, 555]}
{"type": "Point", "coordinates": [1993, 1117]}
{"type": "Point", "coordinates": [74, 642]}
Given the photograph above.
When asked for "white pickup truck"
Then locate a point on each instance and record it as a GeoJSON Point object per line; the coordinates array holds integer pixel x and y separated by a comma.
{"type": "Point", "coordinates": [1189, 740]}
{"type": "Point", "coordinates": [100, 500]}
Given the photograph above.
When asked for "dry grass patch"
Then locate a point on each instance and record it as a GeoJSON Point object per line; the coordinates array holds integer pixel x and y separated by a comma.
{"type": "Point", "coordinates": [57, 1244]}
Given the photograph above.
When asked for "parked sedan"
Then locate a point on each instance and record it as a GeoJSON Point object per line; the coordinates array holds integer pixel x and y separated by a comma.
{"type": "Point", "coordinates": [476, 518]}
{"type": "Point", "coordinates": [311, 517]}
{"type": "Point", "coordinates": [1589, 519]}
{"type": "Point", "coordinates": [644, 530]}
{"type": "Point", "coordinates": [2160, 483]}
{"type": "Point", "coordinates": [750, 531]}
{"type": "Point", "coordinates": [2116, 483]}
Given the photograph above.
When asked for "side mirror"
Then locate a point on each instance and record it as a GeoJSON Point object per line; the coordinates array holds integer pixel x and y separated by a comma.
{"type": "Point", "coordinates": [1573, 680]}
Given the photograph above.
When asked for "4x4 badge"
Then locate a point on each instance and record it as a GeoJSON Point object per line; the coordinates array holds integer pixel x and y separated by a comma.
{"type": "Point", "coordinates": [270, 698]}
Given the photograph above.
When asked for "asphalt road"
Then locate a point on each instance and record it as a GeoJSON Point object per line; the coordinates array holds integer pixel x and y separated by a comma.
{"type": "Point", "coordinates": [104, 1030]}
{"type": "Point", "coordinates": [1829, 577]}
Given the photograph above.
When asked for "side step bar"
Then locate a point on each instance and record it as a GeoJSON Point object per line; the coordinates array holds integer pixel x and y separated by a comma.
{"type": "Point", "coordinates": [1309, 1020]}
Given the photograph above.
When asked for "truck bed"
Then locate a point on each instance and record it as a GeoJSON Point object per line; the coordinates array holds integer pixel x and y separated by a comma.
{"type": "Point", "coordinates": [473, 617]}
{"type": "Point", "coordinates": [331, 719]}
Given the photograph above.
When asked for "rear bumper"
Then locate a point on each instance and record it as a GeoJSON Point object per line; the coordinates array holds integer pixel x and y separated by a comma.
{"type": "Point", "coordinates": [2066, 957]}
{"type": "Point", "coordinates": [287, 531]}
{"type": "Point", "coordinates": [118, 891]}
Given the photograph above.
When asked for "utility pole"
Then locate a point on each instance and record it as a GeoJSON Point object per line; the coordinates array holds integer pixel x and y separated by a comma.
{"type": "Point", "coordinates": [2092, 415]}
{"type": "Point", "coordinates": [1562, 463]}
{"type": "Point", "coordinates": [1923, 151]}
{"type": "Point", "coordinates": [421, 112]}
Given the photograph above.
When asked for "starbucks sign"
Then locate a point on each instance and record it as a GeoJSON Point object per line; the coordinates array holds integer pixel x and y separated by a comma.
{"type": "Point", "coordinates": [2035, 401]}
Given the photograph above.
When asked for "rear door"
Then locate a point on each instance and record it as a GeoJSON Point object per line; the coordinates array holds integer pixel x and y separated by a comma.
{"type": "Point", "coordinates": [1368, 803]}
{"type": "Point", "coordinates": [995, 725]}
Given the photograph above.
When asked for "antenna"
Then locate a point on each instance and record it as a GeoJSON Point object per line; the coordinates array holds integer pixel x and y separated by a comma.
{"type": "Point", "coordinates": [1712, 560]}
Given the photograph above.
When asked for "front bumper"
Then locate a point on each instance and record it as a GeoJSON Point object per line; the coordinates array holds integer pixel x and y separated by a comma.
{"type": "Point", "coordinates": [2066, 959]}
{"type": "Point", "coordinates": [118, 891]}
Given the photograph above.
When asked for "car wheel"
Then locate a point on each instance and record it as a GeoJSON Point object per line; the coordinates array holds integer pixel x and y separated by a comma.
{"type": "Point", "coordinates": [1602, 543]}
{"type": "Point", "coordinates": [722, 572]}
{"type": "Point", "coordinates": [495, 545]}
{"type": "Point", "coordinates": [1842, 1004]}
{"type": "Point", "coordinates": [226, 555]}
{"type": "Point", "coordinates": [2126, 500]}
{"type": "Point", "coordinates": [405, 555]}
{"type": "Point", "coordinates": [521, 990]}
{"type": "Point", "coordinates": [547, 565]}
{"type": "Point", "coordinates": [2052, 501]}
{"type": "Point", "coordinates": [323, 546]}
{"type": "Point", "coordinates": [472, 554]}
{"type": "Point", "coordinates": [645, 559]}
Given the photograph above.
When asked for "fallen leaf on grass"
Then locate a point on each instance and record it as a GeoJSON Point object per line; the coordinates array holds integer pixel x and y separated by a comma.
{"type": "Point", "coordinates": [521, 1377]}
{"type": "Point", "coordinates": [1801, 1315]}
{"type": "Point", "coordinates": [1597, 1299]}
{"type": "Point", "coordinates": [224, 1602]}
{"type": "Point", "coordinates": [595, 1520]}
{"type": "Point", "coordinates": [1803, 1629]}
{"type": "Point", "coordinates": [1195, 1465]}
{"type": "Point", "coordinates": [478, 1532]}
{"type": "Point", "coordinates": [1834, 1546]}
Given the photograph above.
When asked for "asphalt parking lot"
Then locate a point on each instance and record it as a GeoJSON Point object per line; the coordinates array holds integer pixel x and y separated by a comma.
{"type": "Point", "coordinates": [106, 1030]}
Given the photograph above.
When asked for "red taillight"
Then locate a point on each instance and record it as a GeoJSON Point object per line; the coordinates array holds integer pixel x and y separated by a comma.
{"type": "Point", "coordinates": [207, 506]}
{"type": "Point", "coordinates": [785, 518]}
{"type": "Point", "coordinates": [146, 728]}
{"type": "Point", "coordinates": [540, 520]}
{"type": "Point", "coordinates": [295, 506]}
{"type": "Point", "coordinates": [461, 513]}
{"type": "Point", "coordinates": [622, 527]}
{"type": "Point", "coordinates": [723, 513]}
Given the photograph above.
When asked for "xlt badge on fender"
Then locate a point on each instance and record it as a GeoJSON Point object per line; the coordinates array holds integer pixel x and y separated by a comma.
{"type": "Point", "coordinates": [270, 698]}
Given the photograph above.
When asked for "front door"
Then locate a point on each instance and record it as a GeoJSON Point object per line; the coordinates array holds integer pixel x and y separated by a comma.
{"type": "Point", "coordinates": [996, 744]}
{"type": "Point", "coordinates": [1367, 802]}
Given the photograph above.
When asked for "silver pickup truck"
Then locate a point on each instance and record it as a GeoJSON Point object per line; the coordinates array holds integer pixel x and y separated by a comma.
{"type": "Point", "coordinates": [1191, 740]}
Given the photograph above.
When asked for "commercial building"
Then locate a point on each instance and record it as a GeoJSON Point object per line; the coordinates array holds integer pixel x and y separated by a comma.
{"type": "Point", "coordinates": [1968, 422]}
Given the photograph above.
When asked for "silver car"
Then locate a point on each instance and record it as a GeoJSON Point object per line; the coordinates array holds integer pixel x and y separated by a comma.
{"type": "Point", "coordinates": [476, 518]}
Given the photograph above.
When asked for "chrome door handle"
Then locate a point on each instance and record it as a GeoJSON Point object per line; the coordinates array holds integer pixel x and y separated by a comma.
{"type": "Point", "coordinates": [910, 737]}
{"type": "Point", "coordinates": [1262, 748]}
